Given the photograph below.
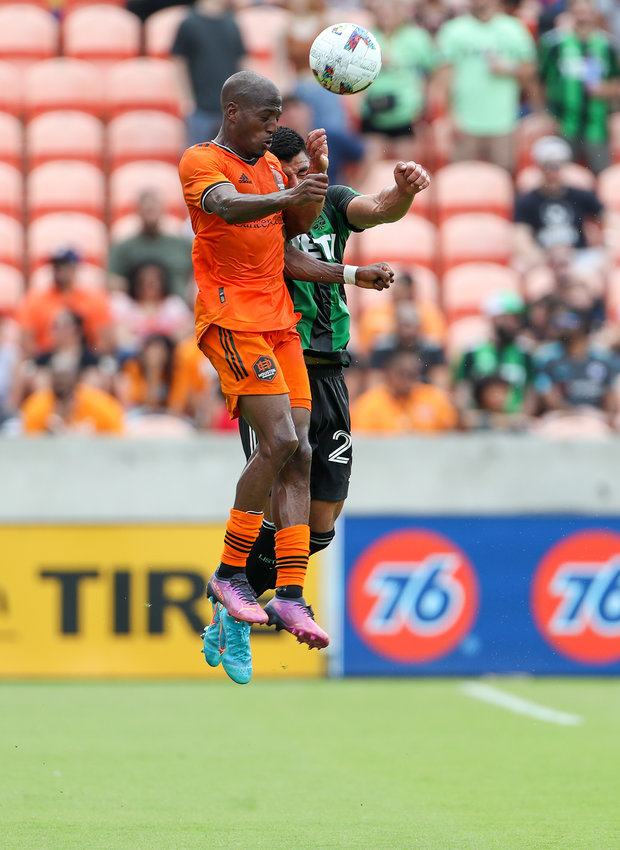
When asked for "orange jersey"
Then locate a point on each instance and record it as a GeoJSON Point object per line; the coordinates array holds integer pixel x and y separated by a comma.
{"type": "Point", "coordinates": [427, 409]}
{"type": "Point", "coordinates": [93, 411]}
{"type": "Point", "coordinates": [238, 267]}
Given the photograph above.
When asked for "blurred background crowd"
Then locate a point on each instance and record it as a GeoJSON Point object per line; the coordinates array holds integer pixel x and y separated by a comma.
{"type": "Point", "coordinates": [504, 312]}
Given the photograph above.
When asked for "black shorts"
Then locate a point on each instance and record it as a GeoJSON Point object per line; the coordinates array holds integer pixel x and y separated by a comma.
{"type": "Point", "coordinates": [330, 434]}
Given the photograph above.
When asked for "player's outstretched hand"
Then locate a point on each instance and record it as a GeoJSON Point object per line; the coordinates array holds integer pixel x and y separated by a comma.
{"type": "Point", "coordinates": [376, 276]}
{"type": "Point", "coordinates": [411, 177]}
{"type": "Point", "coordinates": [311, 189]}
{"type": "Point", "coordinates": [316, 145]}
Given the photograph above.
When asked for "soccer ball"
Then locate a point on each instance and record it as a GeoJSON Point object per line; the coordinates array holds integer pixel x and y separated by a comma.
{"type": "Point", "coordinates": [345, 58]}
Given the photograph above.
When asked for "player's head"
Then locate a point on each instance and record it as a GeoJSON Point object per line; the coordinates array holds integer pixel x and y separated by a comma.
{"type": "Point", "coordinates": [251, 106]}
{"type": "Point", "coordinates": [290, 149]}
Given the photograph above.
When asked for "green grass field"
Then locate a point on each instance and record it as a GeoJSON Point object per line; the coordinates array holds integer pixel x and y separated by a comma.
{"type": "Point", "coordinates": [300, 765]}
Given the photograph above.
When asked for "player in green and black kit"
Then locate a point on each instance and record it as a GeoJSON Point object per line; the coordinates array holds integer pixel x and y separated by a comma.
{"type": "Point", "coordinates": [324, 328]}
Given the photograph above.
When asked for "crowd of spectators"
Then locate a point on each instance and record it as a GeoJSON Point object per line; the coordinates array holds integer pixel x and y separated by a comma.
{"type": "Point", "coordinates": [462, 80]}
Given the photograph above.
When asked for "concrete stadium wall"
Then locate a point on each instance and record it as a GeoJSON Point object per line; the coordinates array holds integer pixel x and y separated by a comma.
{"type": "Point", "coordinates": [85, 480]}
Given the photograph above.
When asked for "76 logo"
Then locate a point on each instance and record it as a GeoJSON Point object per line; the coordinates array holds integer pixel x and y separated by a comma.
{"type": "Point", "coordinates": [589, 596]}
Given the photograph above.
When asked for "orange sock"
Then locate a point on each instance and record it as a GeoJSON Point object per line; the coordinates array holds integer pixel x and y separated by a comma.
{"type": "Point", "coordinates": [241, 531]}
{"type": "Point", "coordinates": [292, 552]}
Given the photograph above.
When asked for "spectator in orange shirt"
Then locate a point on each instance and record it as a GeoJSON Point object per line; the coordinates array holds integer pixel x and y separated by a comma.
{"type": "Point", "coordinates": [40, 307]}
{"type": "Point", "coordinates": [69, 405]}
{"type": "Point", "coordinates": [402, 404]}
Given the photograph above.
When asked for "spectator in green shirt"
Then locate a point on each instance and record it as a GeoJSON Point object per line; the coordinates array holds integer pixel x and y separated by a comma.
{"type": "Point", "coordinates": [486, 58]}
{"type": "Point", "coordinates": [580, 71]}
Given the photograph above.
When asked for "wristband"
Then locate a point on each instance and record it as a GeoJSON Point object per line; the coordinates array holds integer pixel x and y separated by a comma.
{"type": "Point", "coordinates": [349, 274]}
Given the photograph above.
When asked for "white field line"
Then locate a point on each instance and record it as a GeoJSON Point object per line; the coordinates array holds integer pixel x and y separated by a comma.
{"type": "Point", "coordinates": [487, 693]}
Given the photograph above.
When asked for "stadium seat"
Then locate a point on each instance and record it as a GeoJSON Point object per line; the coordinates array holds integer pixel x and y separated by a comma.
{"type": "Point", "coordinates": [442, 141]}
{"type": "Point", "coordinates": [129, 181]}
{"type": "Point", "coordinates": [575, 175]}
{"type": "Point", "coordinates": [262, 28]}
{"type": "Point", "coordinates": [473, 238]}
{"type": "Point", "coordinates": [65, 186]}
{"type": "Point", "coordinates": [160, 30]}
{"type": "Point", "coordinates": [464, 187]}
{"type": "Point", "coordinates": [145, 134]}
{"type": "Point", "coordinates": [27, 33]}
{"type": "Point", "coordinates": [128, 225]}
{"type": "Point", "coordinates": [87, 276]}
{"type": "Point", "coordinates": [609, 186]}
{"type": "Point", "coordinates": [65, 134]}
{"type": "Point", "coordinates": [63, 83]}
{"type": "Point", "coordinates": [11, 242]}
{"type": "Point", "coordinates": [11, 191]}
{"type": "Point", "coordinates": [381, 174]}
{"type": "Point", "coordinates": [82, 232]}
{"type": "Point", "coordinates": [11, 287]}
{"type": "Point", "coordinates": [11, 89]}
{"type": "Point", "coordinates": [529, 129]}
{"type": "Point", "coordinates": [411, 241]}
{"type": "Point", "coordinates": [465, 287]}
{"type": "Point", "coordinates": [143, 83]}
{"type": "Point", "coordinates": [101, 33]}
{"type": "Point", "coordinates": [465, 333]}
{"type": "Point", "coordinates": [11, 140]}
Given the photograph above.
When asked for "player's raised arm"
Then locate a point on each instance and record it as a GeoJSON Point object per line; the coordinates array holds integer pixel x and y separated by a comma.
{"type": "Point", "coordinates": [391, 203]}
{"type": "Point", "coordinates": [238, 207]}
{"type": "Point", "coordinates": [301, 266]}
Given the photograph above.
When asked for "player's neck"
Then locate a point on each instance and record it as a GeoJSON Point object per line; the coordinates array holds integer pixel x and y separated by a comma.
{"type": "Point", "coordinates": [233, 145]}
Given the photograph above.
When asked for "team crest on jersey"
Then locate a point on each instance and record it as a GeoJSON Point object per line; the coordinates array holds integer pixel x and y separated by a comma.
{"type": "Point", "coordinates": [321, 223]}
{"type": "Point", "coordinates": [265, 369]}
{"type": "Point", "coordinates": [278, 178]}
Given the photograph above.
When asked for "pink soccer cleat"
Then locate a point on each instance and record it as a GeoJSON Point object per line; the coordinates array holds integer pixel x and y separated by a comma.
{"type": "Point", "coordinates": [298, 619]}
{"type": "Point", "coordinates": [237, 596]}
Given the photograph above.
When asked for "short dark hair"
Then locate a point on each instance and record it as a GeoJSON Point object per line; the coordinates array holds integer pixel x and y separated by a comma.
{"type": "Point", "coordinates": [286, 144]}
{"type": "Point", "coordinates": [134, 275]}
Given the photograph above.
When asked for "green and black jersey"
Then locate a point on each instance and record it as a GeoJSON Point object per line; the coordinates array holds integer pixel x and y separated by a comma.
{"type": "Point", "coordinates": [569, 67]}
{"type": "Point", "coordinates": [325, 320]}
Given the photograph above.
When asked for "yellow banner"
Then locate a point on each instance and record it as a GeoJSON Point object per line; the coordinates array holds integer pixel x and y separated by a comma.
{"type": "Point", "coordinates": [122, 601]}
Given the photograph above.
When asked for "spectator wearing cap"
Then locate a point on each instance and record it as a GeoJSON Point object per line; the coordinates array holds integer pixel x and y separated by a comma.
{"type": "Point", "coordinates": [503, 354]}
{"type": "Point", "coordinates": [486, 59]}
{"type": "Point", "coordinates": [571, 373]}
{"type": "Point", "coordinates": [555, 213]}
{"type": "Point", "coordinates": [40, 307]}
{"type": "Point", "coordinates": [69, 405]}
{"type": "Point", "coordinates": [402, 403]}
{"type": "Point", "coordinates": [152, 244]}
{"type": "Point", "coordinates": [581, 75]}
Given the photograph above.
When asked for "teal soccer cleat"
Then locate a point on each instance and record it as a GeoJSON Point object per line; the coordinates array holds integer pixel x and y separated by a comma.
{"type": "Point", "coordinates": [214, 637]}
{"type": "Point", "coordinates": [237, 656]}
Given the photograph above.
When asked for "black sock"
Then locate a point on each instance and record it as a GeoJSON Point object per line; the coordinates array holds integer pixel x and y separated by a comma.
{"type": "Point", "coordinates": [290, 591]}
{"type": "Point", "coordinates": [320, 540]}
{"type": "Point", "coordinates": [261, 565]}
{"type": "Point", "coordinates": [226, 571]}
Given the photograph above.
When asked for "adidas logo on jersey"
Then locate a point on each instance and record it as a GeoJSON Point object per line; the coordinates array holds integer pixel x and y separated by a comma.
{"type": "Point", "coordinates": [244, 178]}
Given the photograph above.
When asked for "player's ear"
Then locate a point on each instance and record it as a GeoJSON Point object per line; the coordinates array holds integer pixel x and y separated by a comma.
{"type": "Point", "coordinates": [231, 111]}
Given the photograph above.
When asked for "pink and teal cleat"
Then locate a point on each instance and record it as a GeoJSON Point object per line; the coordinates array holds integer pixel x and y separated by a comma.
{"type": "Point", "coordinates": [298, 619]}
{"type": "Point", "coordinates": [237, 596]}
{"type": "Point", "coordinates": [228, 641]}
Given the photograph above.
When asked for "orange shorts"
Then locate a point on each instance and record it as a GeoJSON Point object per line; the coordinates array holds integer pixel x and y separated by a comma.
{"type": "Point", "coordinates": [268, 363]}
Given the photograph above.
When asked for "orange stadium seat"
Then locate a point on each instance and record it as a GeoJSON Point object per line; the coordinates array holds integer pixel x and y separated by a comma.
{"type": "Point", "coordinates": [87, 276]}
{"type": "Point", "coordinates": [529, 129]}
{"type": "Point", "coordinates": [380, 175]}
{"type": "Point", "coordinates": [262, 28]}
{"type": "Point", "coordinates": [101, 33]}
{"type": "Point", "coordinates": [442, 141]}
{"type": "Point", "coordinates": [11, 241]}
{"type": "Point", "coordinates": [11, 191]}
{"type": "Point", "coordinates": [11, 287]}
{"type": "Point", "coordinates": [65, 186]}
{"type": "Point", "coordinates": [11, 140]}
{"type": "Point", "coordinates": [11, 90]}
{"type": "Point", "coordinates": [63, 83]}
{"type": "Point", "coordinates": [609, 187]}
{"type": "Point", "coordinates": [27, 33]}
{"type": "Point", "coordinates": [411, 241]}
{"type": "Point", "coordinates": [65, 134]}
{"type": "Point", "coordinates": [160, 30]}
{"type": "Point", "coordinates": [129, 181]}
{"type": "Point", "coordinates": [465, 333]}
{"type": "Point", "coordinates": [130, 224]}
{"type": "Point", "coordinates": [463, 187]}
{"type": "Point", "coordinates": [465, 288]}
{"type": "Point", "coordinates": [575, 175]}
{"type": "Point", "coordinates": [473, 238]}
{"type": "Point", "coordinates": [143, 83]}
{"type": "Point", "coordinates": [85, 234]}
{"type": "Point", "coordinates": [145, 134]}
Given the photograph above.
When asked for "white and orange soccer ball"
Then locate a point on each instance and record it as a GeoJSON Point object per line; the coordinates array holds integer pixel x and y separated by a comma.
{"type": "Point", "coordinates": [345, 58]}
